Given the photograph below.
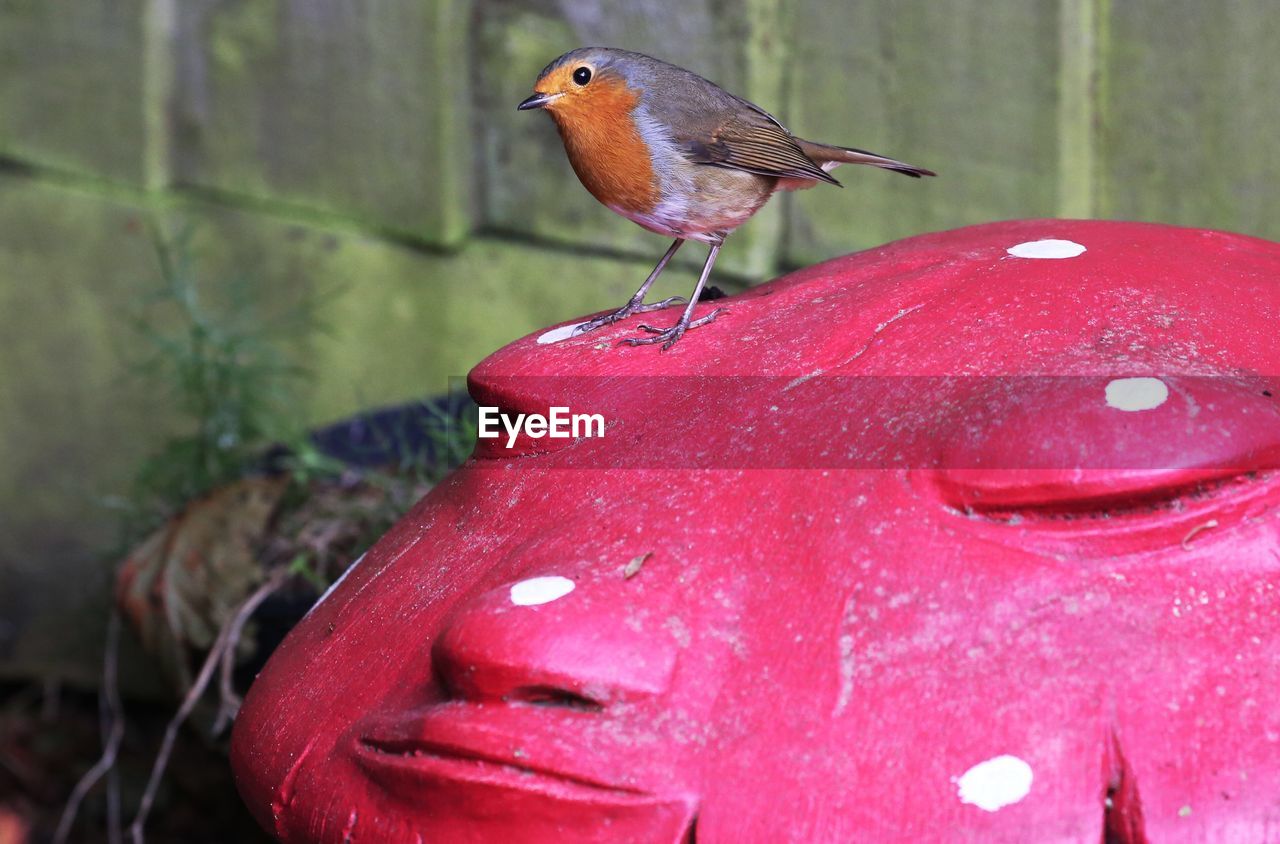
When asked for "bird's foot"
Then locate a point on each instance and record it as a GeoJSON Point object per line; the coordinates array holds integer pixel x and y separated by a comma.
{"type": "Point", "coordinates": [632, 307]}
{"type": "Point", "coordinates": [668, 336]}
{"type": "Point", "coordinates": [658, 306]}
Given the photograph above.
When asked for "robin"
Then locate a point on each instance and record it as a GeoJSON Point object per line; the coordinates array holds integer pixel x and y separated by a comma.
{"type": "Point", "coordinates": [678, 155]}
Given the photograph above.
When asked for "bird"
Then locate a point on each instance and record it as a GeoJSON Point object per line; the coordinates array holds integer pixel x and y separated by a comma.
{"type": "Point", "coordinates": [678, 155]}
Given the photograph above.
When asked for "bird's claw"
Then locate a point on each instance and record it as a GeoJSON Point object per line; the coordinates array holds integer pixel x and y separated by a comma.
{"type": "Point", "coordinates": [598, 322]}
{"type": "Point", "coordinates": [668, 336]}
{"type": "Point", "coordinates": [658, 306]}
{"type": "Point", "coordinates": [624, 312]}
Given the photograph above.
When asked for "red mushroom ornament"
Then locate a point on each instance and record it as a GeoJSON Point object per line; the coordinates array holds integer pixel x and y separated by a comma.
{"type": "Point", "coordinates": [971, 537]}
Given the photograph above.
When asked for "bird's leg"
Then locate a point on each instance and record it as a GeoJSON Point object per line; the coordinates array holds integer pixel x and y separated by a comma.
{"type": "Point", "coordinates": [635, 305]}
{"type": "Point", "coordinates": [668, 337]}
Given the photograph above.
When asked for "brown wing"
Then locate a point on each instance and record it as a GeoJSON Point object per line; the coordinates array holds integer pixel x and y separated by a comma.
{"type": "Point", "coordinates": [753, 141]}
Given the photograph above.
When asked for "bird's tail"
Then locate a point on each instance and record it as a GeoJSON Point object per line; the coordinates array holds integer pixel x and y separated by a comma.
{"type": "Point", "coordinates": [829, 157]}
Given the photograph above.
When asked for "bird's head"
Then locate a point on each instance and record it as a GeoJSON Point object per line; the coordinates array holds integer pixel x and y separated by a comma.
{"type": "Point", "coordinates": [583, 81]}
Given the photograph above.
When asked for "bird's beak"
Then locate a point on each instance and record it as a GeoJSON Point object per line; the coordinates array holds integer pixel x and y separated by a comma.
{"type": "Point", "coordinates": [537, 101]}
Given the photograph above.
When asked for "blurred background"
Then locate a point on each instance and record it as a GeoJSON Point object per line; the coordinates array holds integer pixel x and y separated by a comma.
{"type": "Point", "coordinates": [346, 190]}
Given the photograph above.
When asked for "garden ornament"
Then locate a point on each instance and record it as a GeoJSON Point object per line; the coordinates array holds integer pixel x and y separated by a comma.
{"type": "Point", "coordinates": [970, 537]}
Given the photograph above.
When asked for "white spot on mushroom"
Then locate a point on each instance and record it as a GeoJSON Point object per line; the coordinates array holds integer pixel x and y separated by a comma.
{"type": "Point", "coordinates": [1047, 249]}
{"type": "Point", "coordinates": [995, 783]}
{"type": "Point", "coordinates": [1134, 394]}
{"type": "Point", "coordinates": [540, 590]}
{"type": "Point", "coordinates": [555, 335]}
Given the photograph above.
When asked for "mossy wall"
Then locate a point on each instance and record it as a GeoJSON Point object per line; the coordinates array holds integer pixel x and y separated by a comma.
{"type": "Point", "coordinates": [372, 151]}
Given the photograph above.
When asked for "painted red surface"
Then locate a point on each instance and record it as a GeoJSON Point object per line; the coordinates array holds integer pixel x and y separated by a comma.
{"type": "Point", "coordinates": [900, 524]}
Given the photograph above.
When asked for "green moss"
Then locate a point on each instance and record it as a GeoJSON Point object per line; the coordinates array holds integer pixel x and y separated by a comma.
{"type": "Point", "coordinates": [357, 110]}
{"type": "Point", "coordinates": [72, 423]}
{"type": "Point", "coordinates": [969, 89]}
{"type": "Point", "coordinates": [73, 87]}
{"type": "Point", "coordinates": [1189, 130]}
{"type": "Point", "coordinates": [243, 33]}
{"type": "Point", "coordinates": [1078, 108]}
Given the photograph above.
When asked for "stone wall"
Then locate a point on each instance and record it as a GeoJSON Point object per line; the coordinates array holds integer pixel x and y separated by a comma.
{"type": "Point", "coordinates": [373, 149]}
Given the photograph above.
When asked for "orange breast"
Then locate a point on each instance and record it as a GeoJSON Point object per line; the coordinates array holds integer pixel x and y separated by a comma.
{"type": "Point", "coordinates": [605, 147]}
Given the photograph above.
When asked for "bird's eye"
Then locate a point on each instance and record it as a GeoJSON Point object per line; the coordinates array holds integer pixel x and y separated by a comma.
{"type": "Point", "coordinates": [582, 75]}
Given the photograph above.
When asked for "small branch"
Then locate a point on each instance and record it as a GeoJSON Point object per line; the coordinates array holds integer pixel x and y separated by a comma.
{"type": "Point", "coordinates": [113, 806]}
{"type": "Point", "coordinates": [114, 716]}
{"type": "Point", "coordinates": [108, 715]}
{"type": "Point", "coordinates": [171, 733]}
{"type": "Point", "coordinates": [230, 702]}
{"type": "Point", "coordinates": [216, 655]}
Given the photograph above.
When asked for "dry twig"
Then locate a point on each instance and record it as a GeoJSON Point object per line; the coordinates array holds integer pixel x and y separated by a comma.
{"type": "Point", "coordinates": [229, 701]}
{"type": "Point", "coordinates": [225, 640]}
{"type": "Point", "coordinates": [114, 718]}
